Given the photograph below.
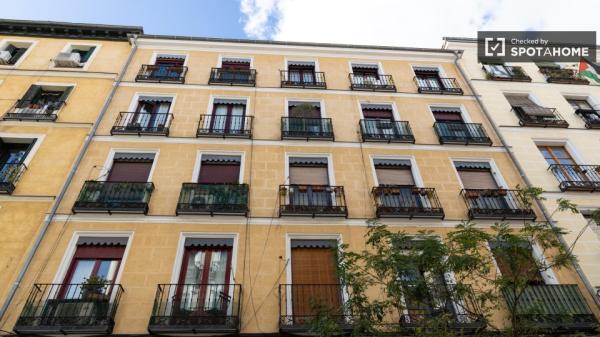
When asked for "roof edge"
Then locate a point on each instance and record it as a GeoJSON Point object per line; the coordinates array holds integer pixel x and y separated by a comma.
{"type": "Point", "coordinates": [68, 30]}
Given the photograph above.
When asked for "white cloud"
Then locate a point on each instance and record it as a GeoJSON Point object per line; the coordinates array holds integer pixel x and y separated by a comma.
{"type": "Point", "coordinates": [417, 23]}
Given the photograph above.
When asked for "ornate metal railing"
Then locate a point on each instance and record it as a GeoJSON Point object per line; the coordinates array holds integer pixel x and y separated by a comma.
{"type": "Point", "coordinates": [312, 200]}
{"type": "Point", "coordinates": [577, 177]}
{"type": "Point", "coordinates": [303, 79]}
{"type": "Point", "coordinates": [24, 110]}
{"type": "Point", "coordinates": [225, 126]}
{"type": "Point", "coordinates": [196, 198]}
{"type": "Point", "coordinates": [70, 309]}
{"type": "Point", "coordinates": [114, 197]}
{"type": "Point", "coordinates": [161, 73]}
{"type": "Point", "coordinates": [306, 128]}
{"type": "Point", "coordinates": [591, 118]}
{"type": "Point", "coordinates": [556, 307]}
{"type": "Point", "coordinates": [372, 82]}
{"type": "Point", "coordinates": [497, 204]}
{"type": "Point", "coordinates": [539, 116]}
{"type": "Point", "coordinates": [138, 123]}
{"type": "Point", "coordinates": [440, 85]}
{"type": "Point", "coordinates": [511, 73]}
{"type": "Point", "coordinates": [243, 77]}
{"type": "Point", "coordinates": [461, 133]}
{"type": "Point", "coordinates": [386, 130]}
{"type": "Point", "coordinates": [196, 308]}
{"type": "Point", "coordinates": [561, 75]}
{"type": "Point", "coordinates": [407, 201]}
{"type": "Point", "coordinates": [9, 175]}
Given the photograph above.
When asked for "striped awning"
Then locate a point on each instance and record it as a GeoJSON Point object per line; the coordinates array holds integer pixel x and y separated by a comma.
{"type": "Point", "coordinates": [364, 66]}
{"type": "Point", "coordinates": [308, 161]}
{"type": "Point", "coordinates": [170, 57]}
{"type": "Point", "coordinates": [370, 106]}
{"type": "Point", "coordinates": [235, 60]}
{"type": "Point", "coordinates": [229, 101]}
{"type": "Point", "coordinates": [137, 157]}
{"type": "Point", "coordinates": [208, 242]}
{"type": "Point", "coordinates": [215, 158]}
{"type": "Point", "coordinates": [102, 241]}
{"type": "Point", "coordinates": [301, 63]}
{"type": "Point", "coordinates": [472, 165]}
{"type": "Point", "coordinates": [298, 103]}
{"type": "Point", "coordinates": [314, 244]}
{"type": "Point", "coordinates": [445, 109]}
{"type": "Point", "coordinates": [391, 162]}
{"type": "Point", "coordinates": [156, 99]}
{"type": "Point", "coordinates": [426, 69]}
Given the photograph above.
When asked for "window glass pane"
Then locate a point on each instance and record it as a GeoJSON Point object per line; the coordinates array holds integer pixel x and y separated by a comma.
{"type": "Point", "coordinates": [83, 270]}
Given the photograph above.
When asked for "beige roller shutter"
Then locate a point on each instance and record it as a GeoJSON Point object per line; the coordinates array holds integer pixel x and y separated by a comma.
{"type": "Point", "coordinates": [394, 176]}
{"type": "Point", "coordinates": [311, 175]}
{"type": "Point", "coordinates": [477, 179]}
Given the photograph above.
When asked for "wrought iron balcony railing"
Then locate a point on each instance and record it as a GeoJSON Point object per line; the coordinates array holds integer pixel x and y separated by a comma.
{"type": "Point", "coordinates": [9, 175]}
{"type": "Point", "coordinates": [60, 309]}
{"type": "Point", "coordinates": [577, 177]}
{"type": "Point", "coordinates": [296, 303]}
{"type": "Point", "coordinates": [113, 197]}
{"type": "Point", "coordinates": [225, 126]}
{"type": "Point", "coordinates": [196, 308]}
{"type": "Point", "coordinates": [161, 73]}
{"type": "Point", "coordinates": [242, 77]}
{"type": "Point", "coordinates": [303, 79]}
{"type": "Point", "coordinates": [142, 123]}
{"type": "Point", "coordinates": [386, 130]}
{"type": "Point", "coordinates": [556, 307]}
{"type": "Point", "coordinates": [372, 82]}
{"type": "Point", "coordinates": [591, 118]}
{"type": "Point", "coordinates": [407, 201]}
{"type": "Point", "coordinates": [461, 133]}
{"type": "Point", "coordinates": [497, 204]}
{"type": "Point", "coordinates": [213, 199]}
{"type": "Point", "coordinates": [509, 73]}
{"type": "Point", "coordinates": [538, 116]}
{"type": "Point", "coordinates": [440, 85]}
{"type": "Point", "coordinates": [561, 75]}
{"type": "Point", "coordinates": [27, 110]}
{"type": "Point", "coordinates": [312, 200]}
{"type": "Point", "coordinates": [306, 128]}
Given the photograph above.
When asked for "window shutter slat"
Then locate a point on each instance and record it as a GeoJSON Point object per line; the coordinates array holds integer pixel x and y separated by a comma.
{"type": "Point", "coordinates": [396, 176]}
{"type": "Point", "coordinates": [477, 179]}
{"type": "Point", "coordinates": [309, 176]}
{"type": "Point", "coordinates": [129, 171]}
{"type": "Point", "coordinates": [517, 100]}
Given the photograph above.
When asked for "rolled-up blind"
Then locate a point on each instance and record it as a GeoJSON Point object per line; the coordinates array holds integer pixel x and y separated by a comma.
{"type": "Point", "coordinates": [394, 176]}
{"type": "Point", "coordinates": [477, 179]}
{"type": "Point", "coordinates": [520, 100]}
{"type": "Point", "coordinates": [222, 173]}
{"type": "Point", "coordinates": [125, 171]}
{"type": "Point", "coordinates": [309, 175]}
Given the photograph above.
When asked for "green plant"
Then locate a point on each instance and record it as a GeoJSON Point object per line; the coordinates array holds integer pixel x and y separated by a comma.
{"type": "Point", "coordinates": [94, 285]}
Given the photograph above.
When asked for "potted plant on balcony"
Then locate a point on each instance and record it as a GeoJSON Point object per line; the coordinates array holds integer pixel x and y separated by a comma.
{"type": "Point", "coordinates": [501, 192]}
{"type": "Point", "coordinates": [94, 288]}
{"type": "Point", "coordinates": [472, 194]}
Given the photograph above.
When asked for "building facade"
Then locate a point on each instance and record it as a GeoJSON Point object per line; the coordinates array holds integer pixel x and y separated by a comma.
{"type": "Point", "coordinates": [549, 118]}
{"type": "Point", "coordinates": [223, 172]}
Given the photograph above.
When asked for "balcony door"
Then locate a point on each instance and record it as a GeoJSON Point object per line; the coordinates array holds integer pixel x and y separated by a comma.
{"type": "Point", "coordinates": [305, 117]}
{"type": "Point", "coordinates": [579, 104]}
{"type": "Point", "coordinates": [379, 119]}
{"type": "Point", "coordinates": [235, 70]}
{"type": "Point", "coordinates": [419, 304]}
{"type": "Point", "coordinates": [168, 66]}
{"type": "Point", "coordinates": [151, 113]}
{"type": "Point", "coordinates": [568, 169]}
{"type": "Point", "coordinates": [301, 72]}
{"type": "Point", "coordinates": [219, 175]}
{"type": "Point", "coordinates": [11, 156]}
{"type": "Point", "coordinates": [478, 178]}
{"type": "Point", "coordinates": [314, 278]}
{"type": "Point", "coordinates": [517, 261]}
{"type": "Point", "coordinates": [42, 99]}
{"type": "Point", "coordinates": [366, 74]}
{"type": "Point", "coordinates": [429, 78]}
{"type": "Point", "coordinates": [396, 184]}
{"type": "Point", "coordinates": [204, 279]}
{"type": "Point", "coordinates": [228, 116]}
{"type": "Point", "coordinates": [309, 182]}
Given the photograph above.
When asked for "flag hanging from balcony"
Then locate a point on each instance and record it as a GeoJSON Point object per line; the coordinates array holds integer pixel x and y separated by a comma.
{"type": "Point", "coordinates": [590, 70]}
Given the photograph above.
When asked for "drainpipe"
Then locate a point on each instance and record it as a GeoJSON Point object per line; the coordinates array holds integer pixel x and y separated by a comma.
{"type": "Point", "coordinates": [543, 208]}
{"type": "Point", "coordinates": [61, 194]}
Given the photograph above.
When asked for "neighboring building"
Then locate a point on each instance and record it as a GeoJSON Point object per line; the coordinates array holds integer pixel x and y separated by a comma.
{"type": "Point", "coordinates": [549, 118]}
{"type": "Point", "coordinates": [54, 80]}
{"type": "Point", "coordinates": [224, 171]}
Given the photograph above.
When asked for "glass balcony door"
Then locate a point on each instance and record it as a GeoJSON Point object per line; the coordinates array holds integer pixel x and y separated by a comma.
{"type": "Point", "coordinates": [228, 118]}
{"type": "Point", "coordinates": [11, 155]}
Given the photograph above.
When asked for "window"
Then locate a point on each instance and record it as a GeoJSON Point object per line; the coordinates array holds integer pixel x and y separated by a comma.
{"type": "Point", "coordinates": [428, 77]}
{"type": "Point", "coordinates": [517, 261]}
{"type": "Point", "coordinates": [579, 104]}
{"type": "Point", "coordinates": [234, 69]}
{"type": "Point", "coordinates": [12, 159]}
{"type": "Point", "coordinates": [304, 109]}
{"type": "Point", "coordinates": [530, 112]}
{"type": "Point", "coordinates": [366, 73]}
{"type": "Point", "coordinates": [131, 167]}
{"type": "Point", "coordinates": [75, 56]}
{"type": "Point", "coordinates": [219, 169]}
{"type": "Point", "coordinates": [393, 172]}
{"type": "Point", "coordinates": [168, 66]}
{"type": "Point", "coordinates": [235, 64]}
{"type": "Point", "coordinates": [498, 71]}
{"type": "Point", "coordinates": [309, 181]}
{"type": "Point", "coordinates": [447, 114]}
{"type": "Point", "coordinates": [302, 72]}
{"type": "Point", "coordinates": [377, 111]}
{"type": "Point", "coordinates": [228, 116]}
{"type": "Point", "coordinates": [43, 99]}
{"type": "Point", "coordinates": [151, 112]}
{"type": "Point", "coordinates": [12, 52]}
{"type": "Point", "coordinates": [475, 175]}
{"type": "Point", "coordinates": [556, 155]}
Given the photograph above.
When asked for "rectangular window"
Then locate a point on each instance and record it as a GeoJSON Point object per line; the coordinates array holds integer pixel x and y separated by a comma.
{"type": "Point", "coordinates": [84, 52]}
{"type": "Point", "coordinates": [40, 99]}
{"type": "Point", "coordinates": [366, 70]}
{"type": "Point", "coordinates": [476, 175]}
{"type": "Point", "coordinates": [131, 167]}
{"type": "Point", "coordinates": [517, 262]}
{"type": "Point", "coordinates": [304, 109]}
{"type": "Point", "coordinates": [579, 104]}
{"type": "Point", "coordinates": [428, 77]}
{"type": "Point", "coordinates": [447, 114]}
{"type": "Point", "coordinates": [377, 111]}
{"type": "Point", "coordinates": [556, 155]}
{"type": "Point", "coordinates": [228, 115]}
{"type": "Point", "coordinates": [235, 64]}
{"type": "Point", "coordinates": [302, 72]}
{"type": "Point", "coordinates": [12, 52]}
{"type": "Point", "coordinates": [12, 157]}
{"type": "Point", "coordinates": [219, 169]}
{"type": "Point", "coordinates": [308, 171]}
{"type": "Point", "coordinates": [393, 172]}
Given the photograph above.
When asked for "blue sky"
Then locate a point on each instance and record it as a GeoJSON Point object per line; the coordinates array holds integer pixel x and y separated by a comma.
{"type": "Point", "coordinates": [214, 18]}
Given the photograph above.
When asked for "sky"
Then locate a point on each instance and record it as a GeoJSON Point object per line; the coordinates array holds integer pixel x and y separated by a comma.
{"type": "Point", "coordinates": [414, 23]}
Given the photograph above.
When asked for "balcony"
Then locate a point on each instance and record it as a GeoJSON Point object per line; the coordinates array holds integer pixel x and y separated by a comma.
{"type": "Point", "coordinates": [385, 130]}
{"type": "Point", "coordinates": [196, 308]}
{"type": "Point", "coordinates": [161, 74]}
{"type": "Point", "coordinates": [312, 200]}
{"type": "Point", "coordinates": [404, 201]}
{"type": "Point", "coordinates": [223, 199]}
{"type": "Point", "coordinates": [372, 83]}
{"type": "Point", "coordinates": [577, 177]}
{"type": "Point", "coordinates": [306, 128]}
{"type": "Point", "coordinates": [591, 118]}
{"type": "Point", "coordinates": [24, 110]}
{"type": "Point", "coordinates": [63, 309]}
{"type": "Point", "coordinates": [557, 307]}
{"type": "Point", "coordinates": [564, 76]}
{"type": "Point", "coordinates": [506, 73]}
{"type": "Point", "coordinates": [497, 204]}
{"type": "Point", "coordinates": [303, 79]}
{"type": "Point", "coordinates": [225, 126]}
{"type": "Point", "coordinates": [114, 197]}
{"type": "Point", "coordinates": [296, 314]}
{"type": "Point", "coordinates": [440, 85]}
{"type": "Point", "coordinates": [141, 123]}
{"type": "Point", "coordinates": [537, 116]}
{"type": "Point", "coordinates": [238, 77]}
{"type": "Point", "coordinates": [9, 175]}
{"type": "Point", "coordinates": [461, 133]}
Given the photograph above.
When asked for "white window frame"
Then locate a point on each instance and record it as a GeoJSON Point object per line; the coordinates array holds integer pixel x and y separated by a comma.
{"type": "Point", "coordinates": [321, 101]}
{"type": "Point", "coordinates": [4, 43]}
{"type": "Point", "coordinates": [414, 168]}
{"type": "Point", "coordinates": [493, 168]}
{"type": "Point", "coordinates": [464, 114]}
{"type": "Point", "coordinates": [157, 54]}
{"type": "Point", "coordinates": [212, 98]}
{"type": "Point", "coordinates": [69, 48]}
{"type": "Point", "coordinates": [566, 143]}
{"type": "Point", "coordinates": [198, 162]}
{"type": "Point", "coordinates": [136, 99]}
{"type": "Point", "coordinates": [395, 112]}
{"type": "Point", "coordinates": [328, 156]}
{"type": "Point", "coordinates": [105, 169]}
{"type": "Point", "coordinates": [16, 137]}
{"type": "Point", "coordinates": [591, 100]}
{"type": "Point", "coordinates": [221, 57]}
